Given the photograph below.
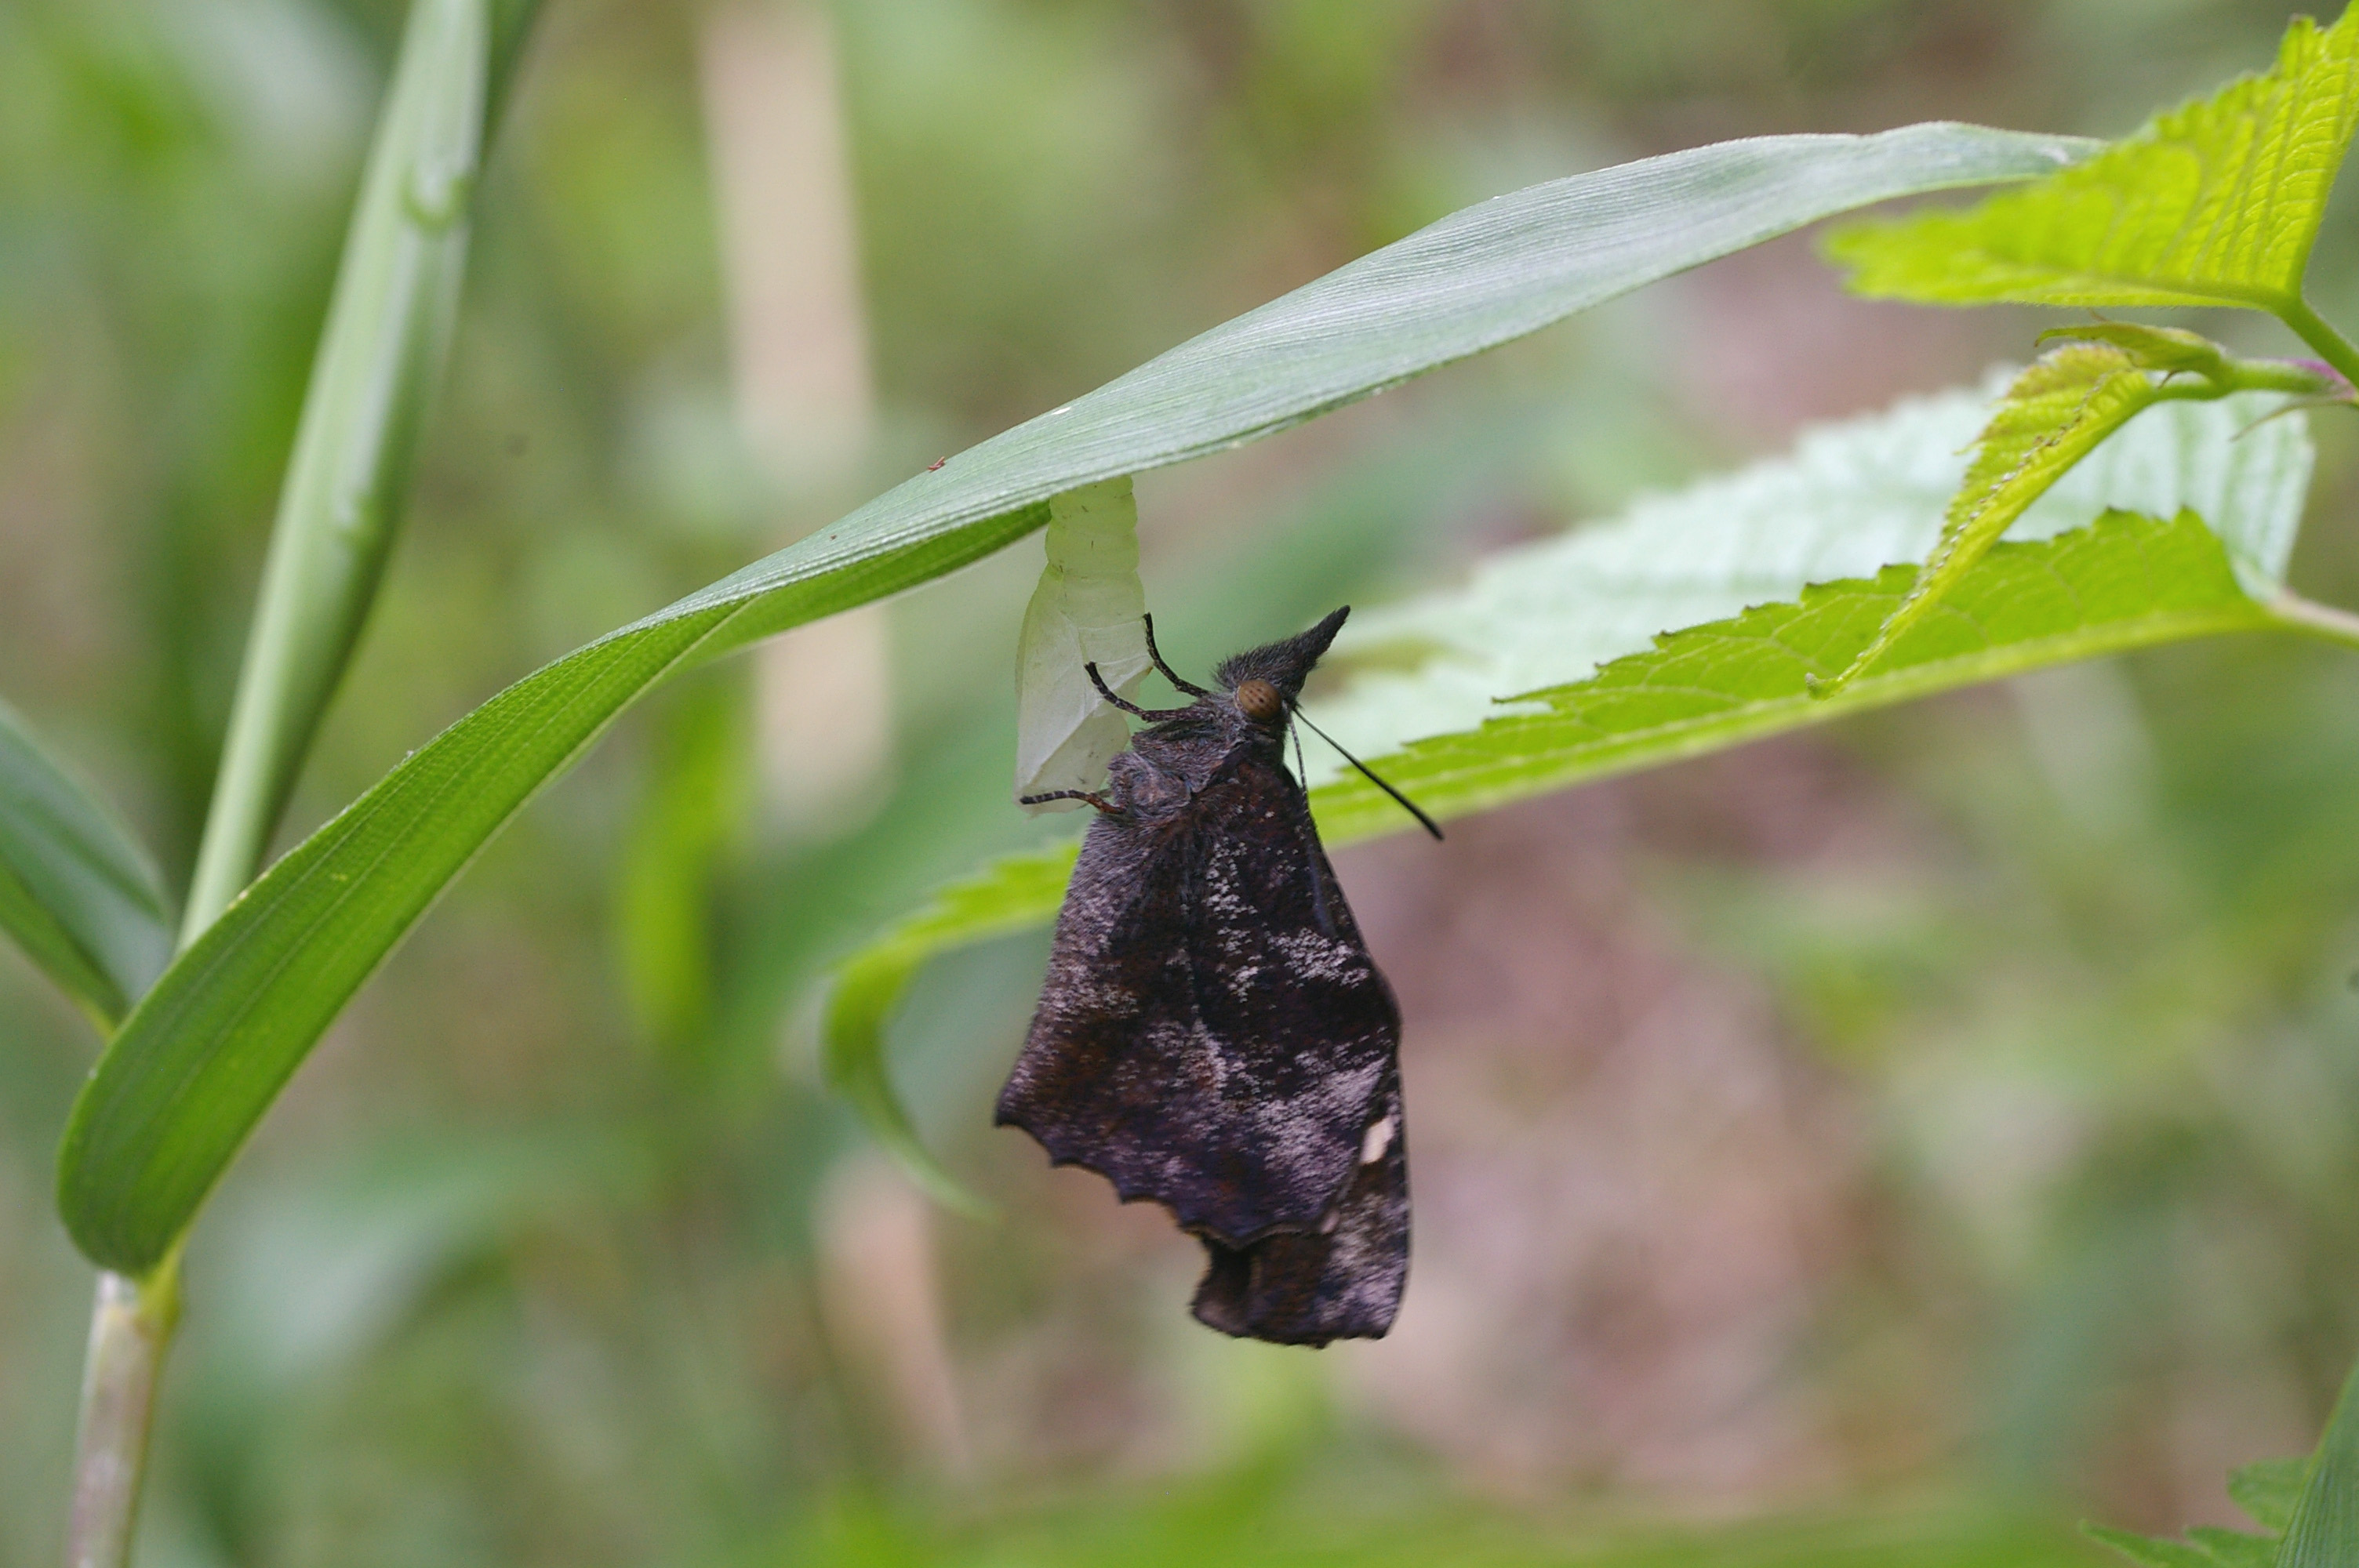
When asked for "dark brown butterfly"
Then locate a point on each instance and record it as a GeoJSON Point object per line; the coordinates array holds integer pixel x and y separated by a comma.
{"type": "Point", "coordinates": [1213, 1033]}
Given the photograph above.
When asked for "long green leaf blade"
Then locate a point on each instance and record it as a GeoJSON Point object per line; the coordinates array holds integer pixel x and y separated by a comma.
{"type": "Point", "coordinates": [76, 890]}
{"type": "Point", "coordinates": [381, 356]}
{"type": "Point", "coordinates": [198, 1063]}
{"type": "Point", "coordinates": [1483, 277]}
{"type": "Point", "coordinates": [2217, 202]}
{"type": "Point", "coordinates": [2324, 1530]}
{"type": "Point", "coordinates": [1021, 890]}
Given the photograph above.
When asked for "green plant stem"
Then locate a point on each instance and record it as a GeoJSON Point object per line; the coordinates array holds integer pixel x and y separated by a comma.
{"type": "Point", "coordinates": [2275, 375]}
{"type": "Point", "coordinates": [2312, 618]}
{"type": "Point", "coordinates": [130, 1329]}
{"type": "Point", "coordinates": [2331, 345]}
{"type": "Point", "coordinates": [381, 353]}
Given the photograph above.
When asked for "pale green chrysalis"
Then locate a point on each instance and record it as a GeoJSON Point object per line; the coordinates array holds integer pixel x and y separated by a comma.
{"type": "Point", "coordinates": [1087, 609]}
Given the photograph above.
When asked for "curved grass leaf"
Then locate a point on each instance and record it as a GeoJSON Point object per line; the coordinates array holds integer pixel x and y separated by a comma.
{"type": "Point", "coordinates": [2214, 203]}
{"type": "Point", "coordinates": [76, 890]}
{"type": "Point", "coordinates": [1019, 891]}
{"type": "Point", "coordinates": [2323, 1532]}
{"type": "Point", "coordinates": [381, 356]}
{"type": "Point", "coordinates": [1852, 497]}
{"type": "Point", "coordinates": [199, 1062]}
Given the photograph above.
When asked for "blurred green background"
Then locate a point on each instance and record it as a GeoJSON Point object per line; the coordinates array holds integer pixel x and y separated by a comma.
{"type": "Point", "coordinates": [1885, 1145]}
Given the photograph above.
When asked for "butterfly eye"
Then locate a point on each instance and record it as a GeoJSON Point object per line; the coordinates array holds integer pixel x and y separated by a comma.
{"type": "Point", "coordinates": [1259, 699]}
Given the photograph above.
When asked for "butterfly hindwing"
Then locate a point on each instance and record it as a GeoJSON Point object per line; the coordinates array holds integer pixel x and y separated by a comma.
{"type": "Point", "coordinates": [1342, 1282]}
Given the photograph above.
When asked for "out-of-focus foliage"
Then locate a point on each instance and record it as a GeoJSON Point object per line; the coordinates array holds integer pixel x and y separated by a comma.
{"type": "Point", "coordinates": [76, 895]}
{"type": "Point", "coordinates": [1994, 1059]}
{"type": "Point", "coordinates": [2303, 1505]}
{"type": "Point", "coordinates": [1278, 1517]}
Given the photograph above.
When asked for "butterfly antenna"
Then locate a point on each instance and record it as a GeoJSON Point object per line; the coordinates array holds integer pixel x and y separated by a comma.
{"type": "Point", "coordinates": [1406, 804]}
{"type": "Point", "coordinates": [1317, 882]}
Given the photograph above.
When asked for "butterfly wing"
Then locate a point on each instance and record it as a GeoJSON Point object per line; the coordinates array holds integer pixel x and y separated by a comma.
{"type": "Point", "coordinates": [1213, 1035]}
{"type": "Point", "coordinates": [1342, 1281]}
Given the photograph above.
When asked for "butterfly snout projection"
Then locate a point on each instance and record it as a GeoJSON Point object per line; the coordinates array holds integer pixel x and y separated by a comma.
{"type": "Point", "coordinates": [1213, 1033]}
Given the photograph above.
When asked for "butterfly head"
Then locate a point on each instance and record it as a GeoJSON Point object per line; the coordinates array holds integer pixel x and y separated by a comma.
{"type": "Point", "coordinates": [1263, 682]}
{"type": "Point", "coordinates": [1260, 700]}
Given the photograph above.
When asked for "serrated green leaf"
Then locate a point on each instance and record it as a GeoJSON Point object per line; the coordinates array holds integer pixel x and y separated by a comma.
{"type": "Point", "coordinates": [2236, 1547]}
{"type": "Point", "coordinates": [76, 890]}
{"type": "Point", "coordinates": [2126, 582]}
{"type": "Point", "coordinates": [1850, 498]}
{"type": "Point", "coordinates": [200, 1061]}
{"type": "Point", "coordinates": [2216, 202]}
{"type": "Point", "coordinates": [2148, 1553]}
{"type": "Point", "coordinates": [2324, 1530]}
{"type": "Point", "coordinates": [2054, 415]}
{"type": "Point", "coordinates": [2267, 1491]}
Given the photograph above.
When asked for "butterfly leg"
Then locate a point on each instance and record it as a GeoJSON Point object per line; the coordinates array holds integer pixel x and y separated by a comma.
{"type": "Point", "coordinates": [1190, 688]}
{"type": "Point", "coordinates": [1100, 802]}
{"type": "Point", "coordinates": [1152, 714]}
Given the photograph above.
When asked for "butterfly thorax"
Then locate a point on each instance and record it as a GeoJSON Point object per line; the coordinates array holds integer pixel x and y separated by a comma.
{"type": "Point", "coordinates": [1171, 762]}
